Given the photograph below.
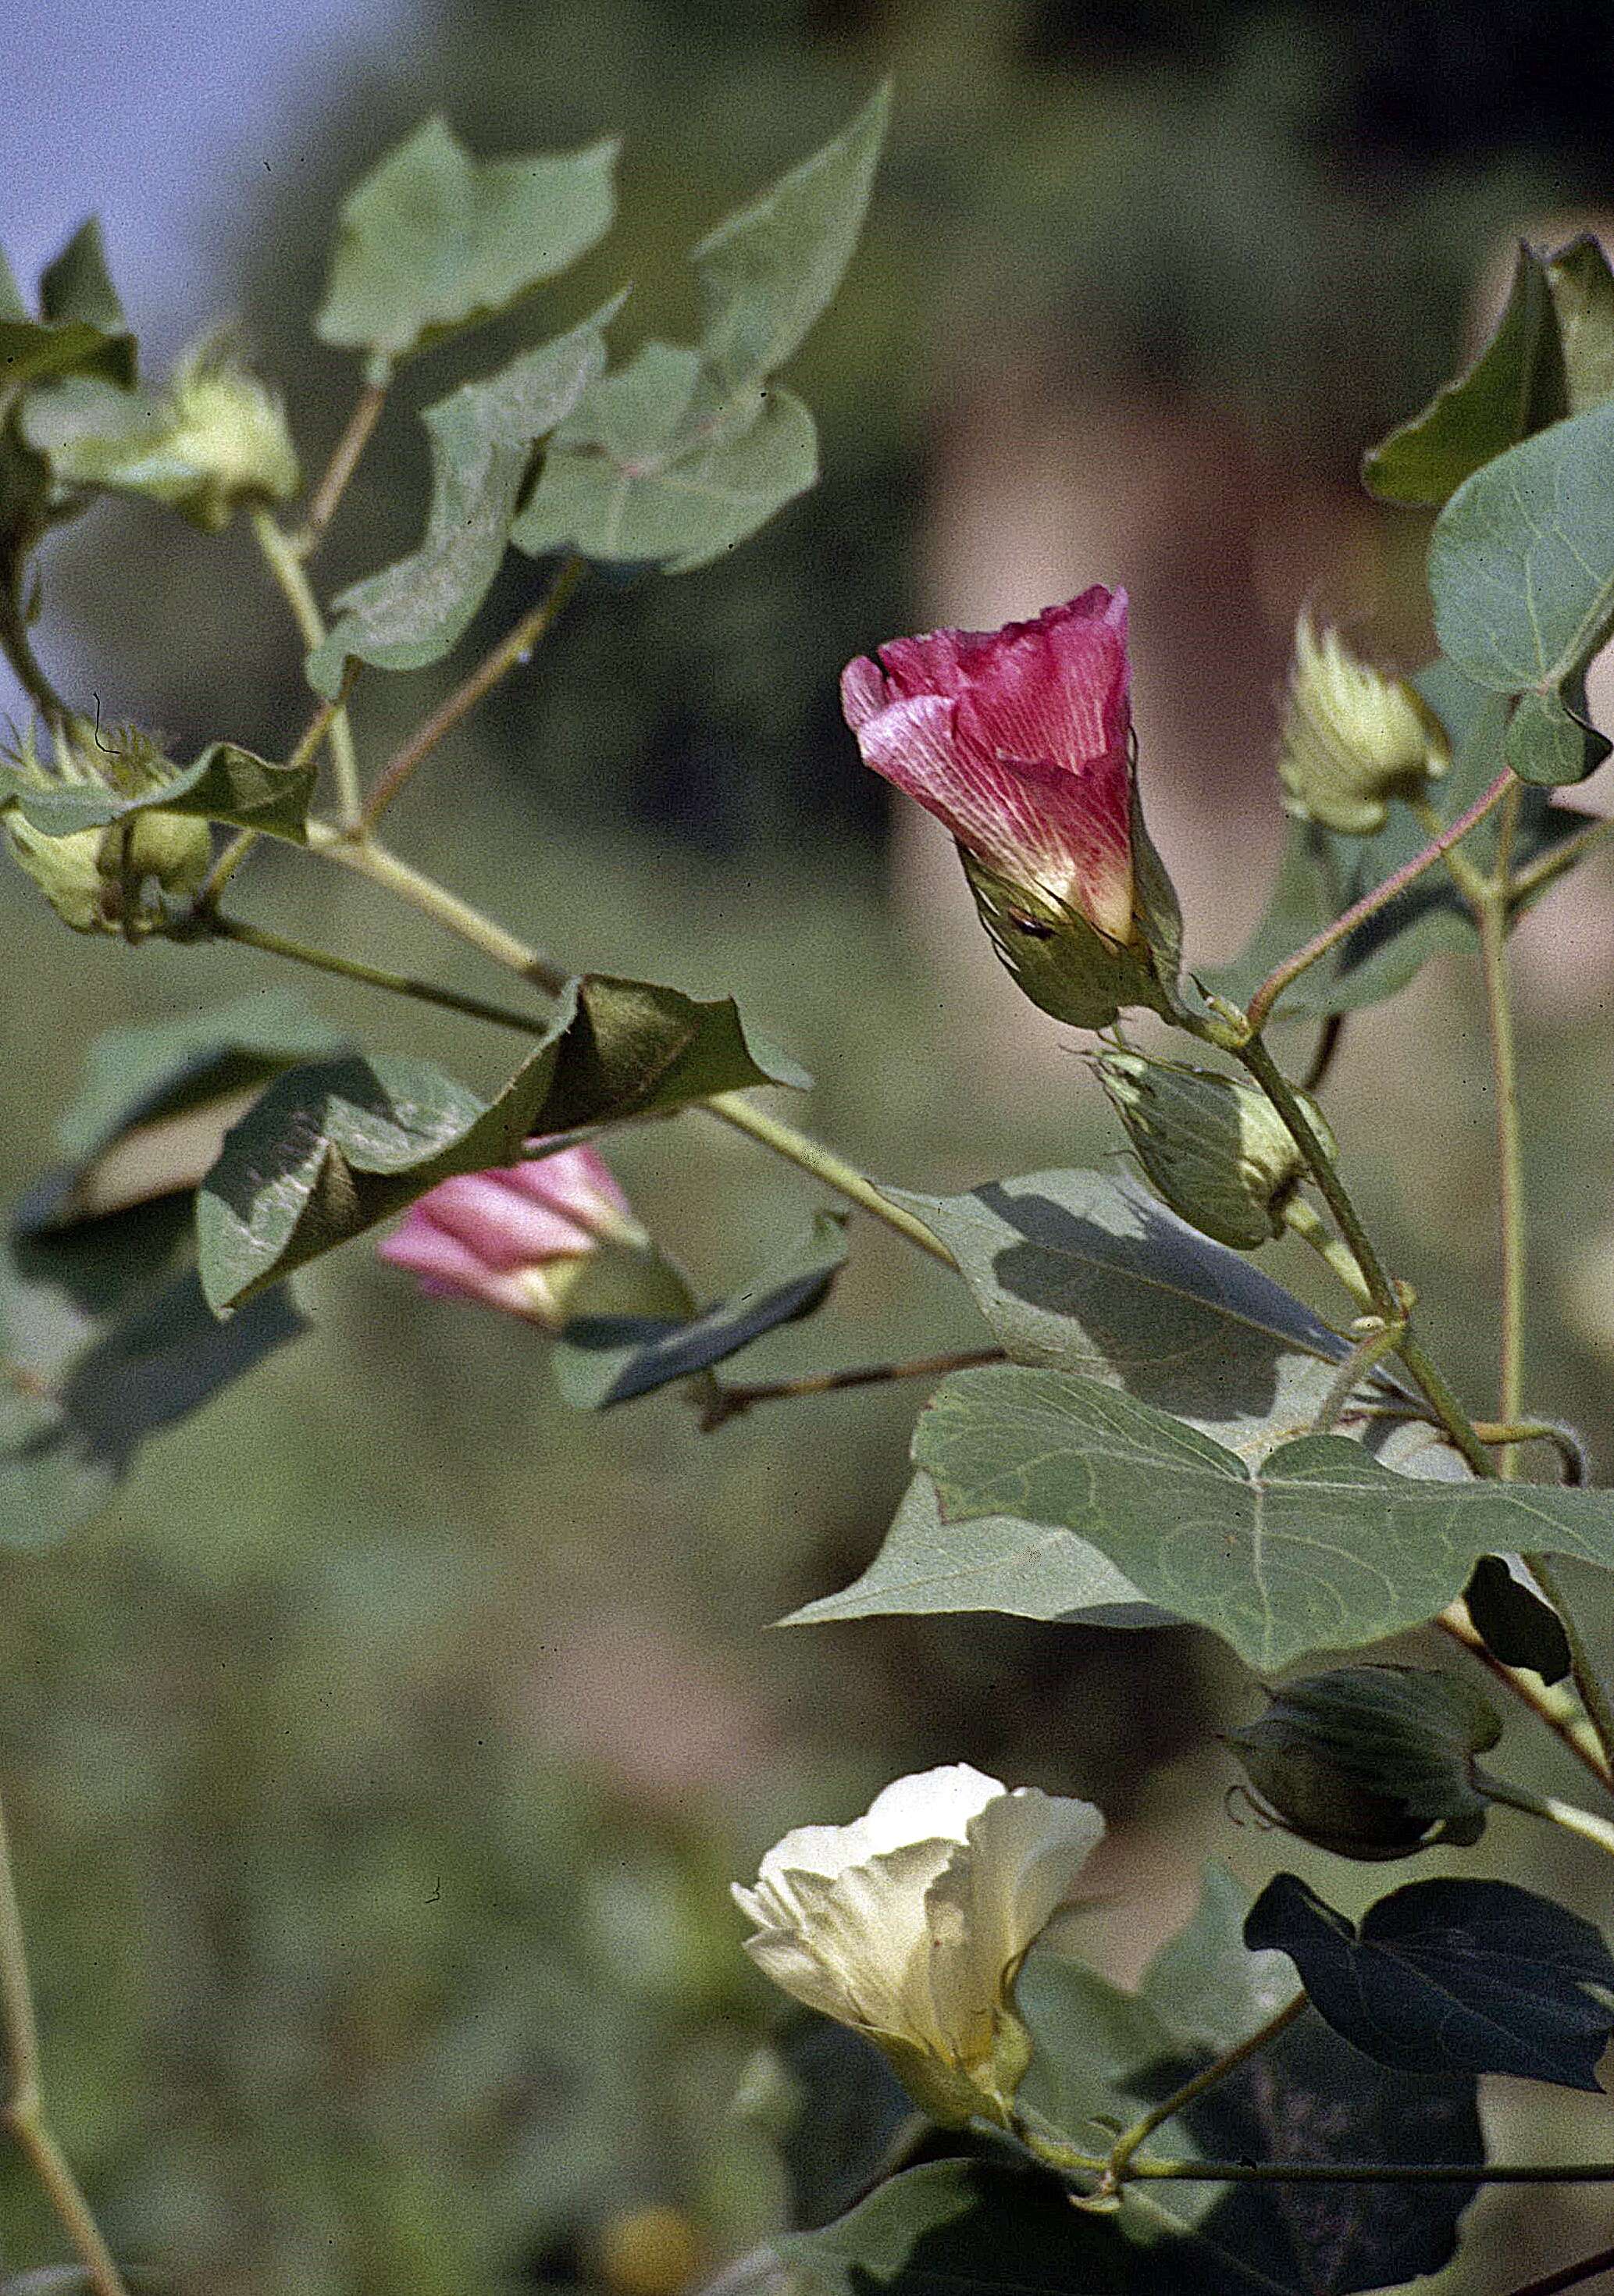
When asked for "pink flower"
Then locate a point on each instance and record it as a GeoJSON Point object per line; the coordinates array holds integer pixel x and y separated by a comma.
{"type": "Point", "coordinates": [517, 1239]}
{"type": "Point", "coordinates": [1019, 740]}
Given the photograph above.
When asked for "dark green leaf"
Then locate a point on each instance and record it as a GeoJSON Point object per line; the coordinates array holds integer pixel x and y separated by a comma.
{"type": "Point", "coordinates": [1322, 1548]}
{"type": "Point", "coordinates": [1204, 1982]}
{"type": "Point", "coordinates": [1550, 742]}
{"type": "Point", "coordinates": [687, 451]}
{"type": "Point", "coordinates": [1516, 385]}
{"type": "Point", "coordinates": [601, 1358]}
{"type": "Point", "coordinates": [835, 2110]}
{"type": "Point", "coordinates": [481, 438]}
{"type": "Point", "coordinates": [81, 326]}
{"type": "Point", "coordinates": [928, 1564]}
{"type": "Point", "coordinates": [1514, 1623]}
{"type": "Point", "coordinates": [433, 241]}
{"type": "Point", "coordinates": [1521, 561]}
{"type": "Point", "coordinates": [963, 2228]}
{"type": "Point", "coordinates": [1086, 1273]}
{"type": "Point", "coordinates": [332, 1149]}
{"type": "Point", "coordinates": [1473, 1977]}
{"type": "Point", "coordinates": [224, 783]}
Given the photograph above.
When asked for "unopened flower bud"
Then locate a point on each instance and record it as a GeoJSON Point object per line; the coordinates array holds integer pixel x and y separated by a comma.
{"type": "Point", "coordinates": [521, 1239]}
{"type": "Point", "coordinates": [1354, 737]}
{"type": "Point", "coordinates": [91, 876]}
{"type": "Point", "coordinates": [1371, 1762]}
{"type": "Point", "coordinates": [1212, 1145]}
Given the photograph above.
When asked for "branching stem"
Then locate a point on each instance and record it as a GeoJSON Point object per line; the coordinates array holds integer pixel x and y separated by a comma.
{"type": "Point", "coordinates": [283, 563]}
{"type": "Point", "coordinates": [344, 460]}
{"type": "Point", "coordinates": [1567, 1815]}
{"type": "Point", "coordinates": [730, 1402]}
{"type": "Point", "coordinates": [383, 867]}
{"type": "Point", "coordinates": [1119, 2167]}
{"type": "Point", "coordinates": [400, 984]}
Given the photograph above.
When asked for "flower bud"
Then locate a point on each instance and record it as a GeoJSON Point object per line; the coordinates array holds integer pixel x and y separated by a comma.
{"type": "Point", "coordinates": [1371, 1762]}
{"type": "Point", "coordinates": [910, 1924]}
{"type": "Point", "coordinates": [1213, 1145]}
{"type": "Point", "coordinates": [1353, 737]}
{"type": "Point", "coordinates": [1020, 739]}
{"type": "Point", "coordinates": [518, 1240]}
{"type": "Point", "coordinates": [90, 875]}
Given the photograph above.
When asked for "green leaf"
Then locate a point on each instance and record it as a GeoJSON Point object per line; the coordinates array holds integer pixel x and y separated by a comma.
{"type": "Point", "coordinates": [834, 2109]}
{"type": "Point", "coordinates": [1204, 1982]}
{"type": "Point", "coordinates": [928, 1564]}
{"type": "Point", "coordinates": [1321, 875]}
{"type": "Point", "coordinates": [1549, 742]}
{"type": "Point", "coordinates": [1521, 561]}
{"type": "Point", "coordinates": [432, 241]}
{"type": "Point", "coordinates": [224, 783]}
{"type": "Point", "coordinates": [332, 1149]}
{"type": "Point", "coordinates": [1086, 1273]}
{"type": "Point", "coordinates": [1513, 1622]}
{"type": "Point", "coordinates": [600, 1358]}
{"type": "Point", "coordinates": [81, 326]}
{"type": "Point", "coordinates": [105, 1340]}
{"type": "Point", "coordinates": [1473, 1977]}
{"type": "Point", "coordinates": [481, 438]}
{"type": "Point", "coordinates": [686, 452]}
{"type": "Point", "coordinates": [1322, 1549]}
{"type": "Point", "coordinates": [962, 2228]}
{"type": "Point", "coordinates": [1582, 297]}
{"type": "Point", "coordinates": [1516, 385]}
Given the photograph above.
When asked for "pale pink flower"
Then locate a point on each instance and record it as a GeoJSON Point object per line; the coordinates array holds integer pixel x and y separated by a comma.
{"type": "Point", "coordinates": [515, 1238]}
{"type": "Point", "coordinates": [1020, 741]}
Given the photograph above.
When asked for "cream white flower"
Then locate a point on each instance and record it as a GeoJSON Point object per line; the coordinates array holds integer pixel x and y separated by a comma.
{"type": "Point", "coordinates": [910, 1924]}
{"type": "Point", "coordinates": [1353, 737]}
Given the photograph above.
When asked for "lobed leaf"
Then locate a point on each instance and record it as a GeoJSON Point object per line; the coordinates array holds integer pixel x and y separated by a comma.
{"type": "Point", "coordinates": [1472, 1977]}
{"type": "Point", "coordinates": [81, 327]}
{"type": "Point", "coordinates": [1322, 1548]}
{"type": "Point", "coordinates": [432, 241]}
{"type": "Point", "coordinates": [334, 1148]}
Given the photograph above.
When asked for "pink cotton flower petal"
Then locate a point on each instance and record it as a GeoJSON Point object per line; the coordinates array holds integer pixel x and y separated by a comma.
{"type": "Point", "coordinates": [495, 1217]}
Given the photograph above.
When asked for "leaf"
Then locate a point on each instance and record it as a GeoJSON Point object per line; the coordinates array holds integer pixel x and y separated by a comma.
{"type": "Point", "coordinates": [1471, 1976]}
{"type": "Point", "coordinates": [1323, 1549]}
{"type": "Point", "coordinates": [686, 452]}
{"type": "Point", "coordinates": [81, 326]}
{"type": "Point", "coordinates": [1514, 1623]}
{"type": "Point", "coordinates": [834, 2108]}
{"type": "Point", "coordinates": [1516, 385]}
{"type": "Point", "coordinates": [956, 2227]}
{"type": "Point", "coordinates": [1321, 874]}
{"type": "Point", "coordinates": [1582, 297]}
{"type": "Point", "coordinates": [1521, 561]}
{"type": "Point", "coordinates": [333, 1148]}
{"type": "Point", "coordinates": [603, 1358]}
{"type": "Point", "coordinates": [1085, 1274]}
{"type": "Point", "coordinates": [224, 783]}
{"type": "Point", "coordinates": [1204, 1981]}
{"type": "Point", "coordinates": [1548, 742]}
{"type": "Point", "coordinates": [432, 241]}
{"type": "Point", "coordinates": [105, 1340]}
{"type": "Point", "coordinates": [928, 1564]}
{"type": "Point", "coordinates": [481, 439]}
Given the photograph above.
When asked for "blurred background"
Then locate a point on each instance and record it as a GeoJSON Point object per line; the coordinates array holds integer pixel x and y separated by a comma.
{"type": "Point", "coordinates": [381, 1758]}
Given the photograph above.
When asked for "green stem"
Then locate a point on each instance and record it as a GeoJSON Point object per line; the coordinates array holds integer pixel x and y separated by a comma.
{"type": "Point", "coordinates": [1276, 981]}
{"type": "Point", "coordinates": [18, 650]}
{"type": "Point", "coordinates": [239, 846]}
{"type": "Point", "coordinates": [344, 460]}
{"type": "Point", "coordinates": [1369, 1349]}
{"type": "Point", "coordinates": [729, 1402]}
{"type": "Point", "coordinates": [1583, 1667]}
{"type": "Point", "coordinates": [1304, 1220]}
{"type": "Point", "coordinates": [1568, 1815]}
{"type": "Point", "coordinates": [1543, 872]}
{"type": "Point", "coordinates": [383, 867]}
{"type": "Point", "coordinates": [1375, 2172]}
{"type": "Point", "coordinates": [511, 651]}
{"type": "Point", "coordinates": [399, 984]}
{"type": "Point", "coordinates": [1118, 2166]}
{"type": "Point", "coordinates": [1550, 1703]}
{"type": "Point", "coordinates": [1491, 918]}
{"type": "Point", "coordinates": [283, 563]}
{"type": "Point", "coordinates": [24, 2111]}
{"type": "Point", "coordinates": [1568, 2275]}
{"type": "Point", "coordinates": [824, 1164]}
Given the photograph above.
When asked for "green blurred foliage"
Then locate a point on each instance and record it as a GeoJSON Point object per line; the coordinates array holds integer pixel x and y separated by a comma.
{"type": "Point", "coordinates": [379, 1760]}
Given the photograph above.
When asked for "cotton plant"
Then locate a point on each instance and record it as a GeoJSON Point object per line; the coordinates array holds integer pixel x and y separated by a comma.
{"type": "Point", "coordinates": [1288, 2099]}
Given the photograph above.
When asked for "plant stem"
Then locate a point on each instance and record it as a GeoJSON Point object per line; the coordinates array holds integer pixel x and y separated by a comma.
{"type": "Point", "coordinates": [1491, 917]}
{"type": "Point", "coordinates": [383, 867]}
{"type": "Point", "coordinates": [24, 2113]}
{"type": "Point", "coordinates": [824, 1164]}
{"type": "Point", "coordinates": [1543, 872]}
{"type": "Point", "coordinates": [344, 460]}
{"type": "Point", "coordinates": [1568, 2275]}
{"type": "Point", "coordinates": [18, 650]}
{"type": "Point", "coordinates": [1568, 1815]}
{"type": "Point", "coordinates": [236, 851]}
{"type": "Point", "coordinates": [730, 1402]}
{"type": "Point", "coordinates": [510, 652]}
{"type": "Point", "coordinates": [1550, 1704]}
{"type": "Point", "coordinates": [1375, 2172]}
{"type": "Point", "coordinates": [1373, 1346]}
{"type": "Point", "coordinates": [1303, 1219]}
{"type": "Point", "coordinates": [400, 984]}
{"type": "Point", "coordinates": [1117, 2167]}
{"type": "Point", "coordinates": [282, 563]}
{"type": "Point", "coordinates": [1276, 981]}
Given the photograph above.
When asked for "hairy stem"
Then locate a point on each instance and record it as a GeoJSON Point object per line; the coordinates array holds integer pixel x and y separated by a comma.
{"type": "Point", "coordinates": [1374, 1345]}
{"type": "Point", "coordinates": [824, 1164]}
{"type": "Point", "coordinates": [1276, 981]}
{"type": "Point", "coordinates": [344, 460]}
{"type": "Point", "coordinates": [730, 1402]}
{"type": "Point", "coordinates": [1567, 1815]}
{"type": "Point", "coordinates": [512, 650]}
{"type": "Point", "coordinates": [283, 563]}
{"type": "Point", "coordinates": [1118, 2166]}
{"type": "Point", "coordinates": [24, 2111]}
{"type": "Point", "coordinates": [1539, 874]}
{"type": "Point", "coordinates": [399, 984]}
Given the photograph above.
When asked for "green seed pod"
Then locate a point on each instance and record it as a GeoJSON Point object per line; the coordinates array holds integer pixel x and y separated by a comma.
{"type": "Point", "coordinates": [90, 876]}
{"type": "Point", "coordinates": [1371, 1762]}
{"type": "Point", "coordinates": [1353, 737]}
{"type": "Point", "coordinates": [1213, 1146]}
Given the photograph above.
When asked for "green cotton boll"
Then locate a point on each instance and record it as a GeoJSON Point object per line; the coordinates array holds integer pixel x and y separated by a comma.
{"type": "Point", "coordinates": [1353, 737]}
{"type": "Point", "coordinates": [1212, 1145]}
{"type": "Point", "coordinates": [67, 871]}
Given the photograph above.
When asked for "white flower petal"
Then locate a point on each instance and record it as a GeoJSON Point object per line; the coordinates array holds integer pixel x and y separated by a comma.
{"type": "Point", "coordinates": [932, 1805]}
